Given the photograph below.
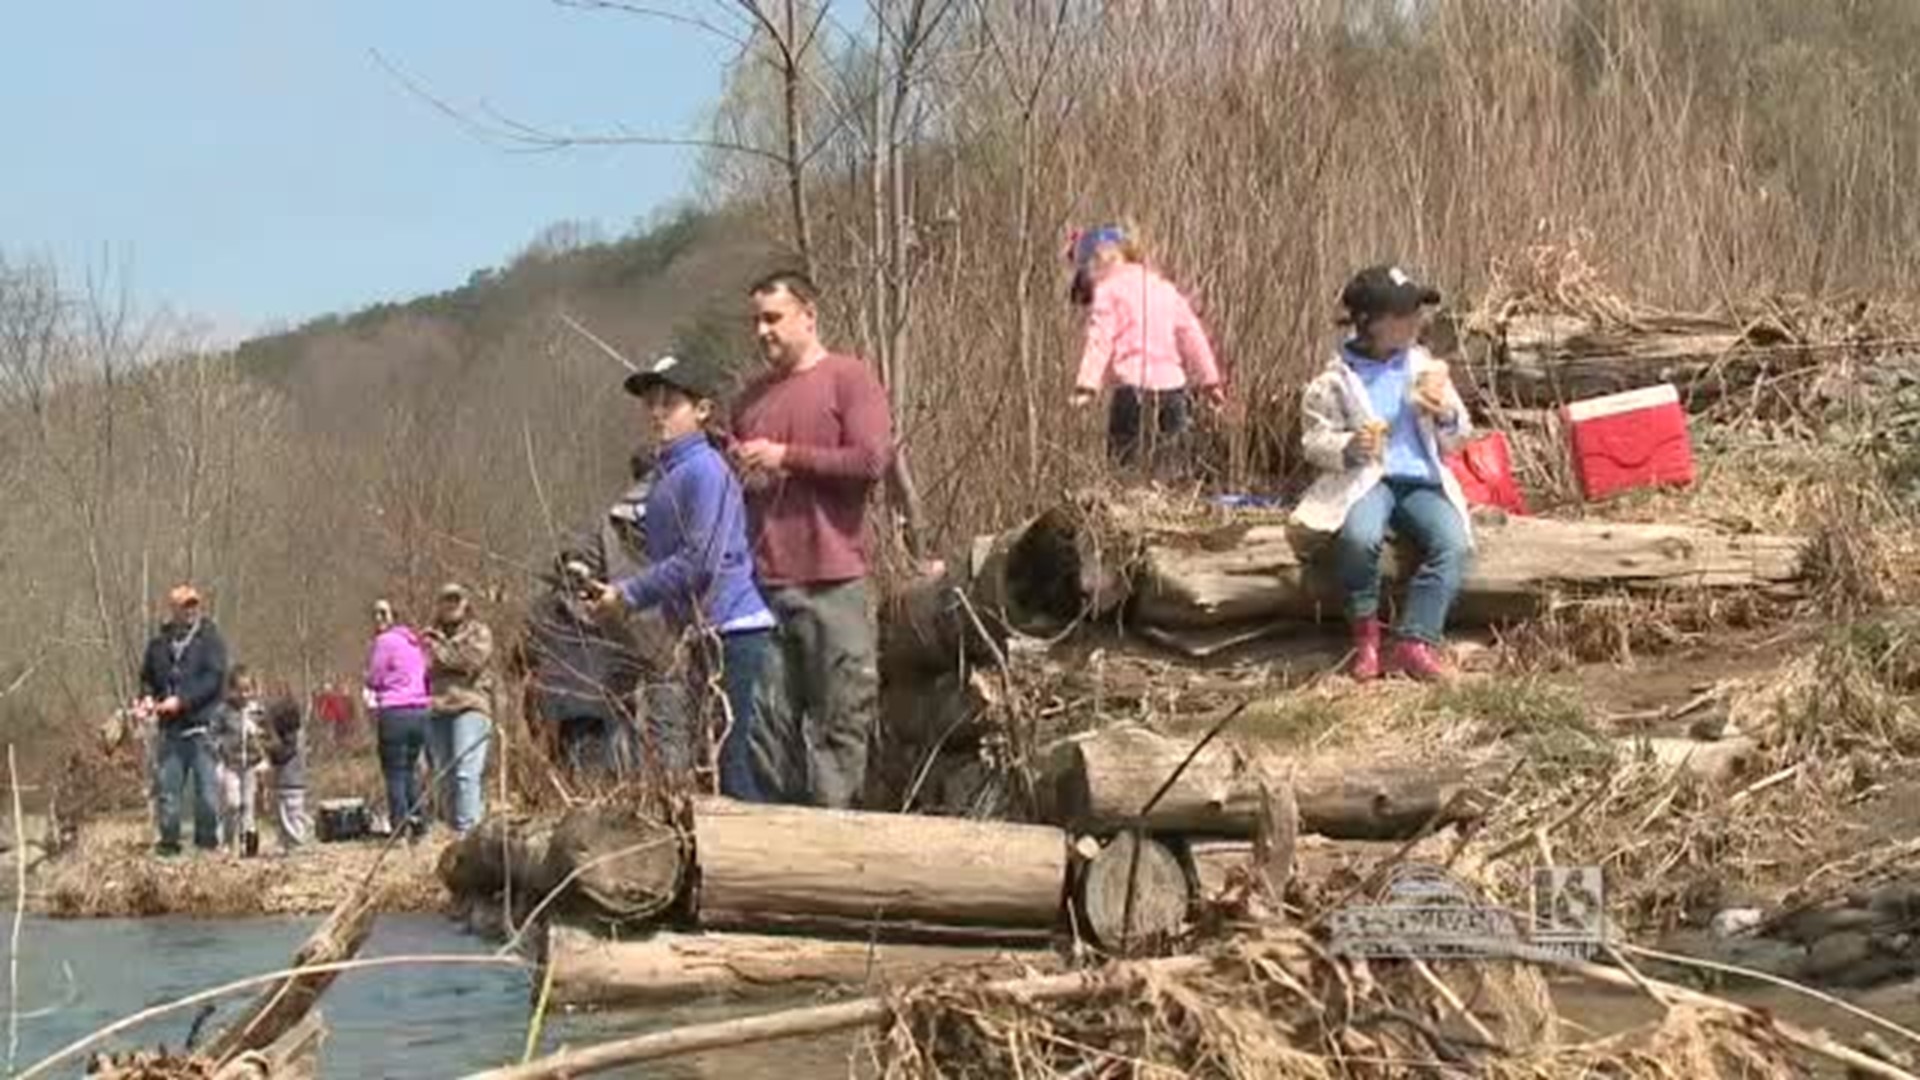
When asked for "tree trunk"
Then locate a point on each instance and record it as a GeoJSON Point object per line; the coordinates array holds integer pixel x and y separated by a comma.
{"type": "Point", "coordinates": [787, 866]}
{"type": "Point", "coordinates": [1157, 884]}
{"type": "Point", "coordinates": [1519, 565]}
{"type": "Point", "coordinates": [1098, 782]}
{"type": "Point", "coordinates": [670, 969]}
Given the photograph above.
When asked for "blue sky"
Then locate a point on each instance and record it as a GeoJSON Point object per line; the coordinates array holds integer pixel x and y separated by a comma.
{"type": "Point", "coordinates": [248, 161]}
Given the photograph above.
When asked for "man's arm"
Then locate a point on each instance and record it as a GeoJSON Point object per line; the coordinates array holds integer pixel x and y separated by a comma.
{"type": "Point", "coordinates": [466, 652]}
{"type": "Point", "coordinates": [866, 447]}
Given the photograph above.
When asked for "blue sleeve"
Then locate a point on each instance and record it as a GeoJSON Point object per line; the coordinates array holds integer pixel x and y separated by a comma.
{"type": "Point", "coordinates": [699, 505]}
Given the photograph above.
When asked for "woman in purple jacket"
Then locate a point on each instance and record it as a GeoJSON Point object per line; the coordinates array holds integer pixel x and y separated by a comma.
{"type": "Point", "coordinates": [397, 692]}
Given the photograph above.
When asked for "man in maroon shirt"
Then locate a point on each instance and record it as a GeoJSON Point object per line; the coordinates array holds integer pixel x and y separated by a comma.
{"type": "Point", "coordinates": [813, 437]}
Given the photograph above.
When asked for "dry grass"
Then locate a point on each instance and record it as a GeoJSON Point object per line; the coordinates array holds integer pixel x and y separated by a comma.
{"type": "Point", "coordinates": [1274, 1005]}
{"type": "Point", "coordinates": [111, 870]}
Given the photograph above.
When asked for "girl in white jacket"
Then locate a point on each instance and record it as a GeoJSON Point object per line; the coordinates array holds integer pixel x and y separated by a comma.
{"type": "Point", "coordinates": [1377, 422]}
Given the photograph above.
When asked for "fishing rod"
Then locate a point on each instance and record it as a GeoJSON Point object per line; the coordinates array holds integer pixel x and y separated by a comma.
{"type": "Point", "coordinates": [574, 325]}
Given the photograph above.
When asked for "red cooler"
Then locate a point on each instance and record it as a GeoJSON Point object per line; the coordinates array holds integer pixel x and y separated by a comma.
{"type": "Point", "coordinates": [1631, 440]}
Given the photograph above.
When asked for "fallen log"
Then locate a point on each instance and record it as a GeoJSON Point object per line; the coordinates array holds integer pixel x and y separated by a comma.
{"type": "Point", "coordinates": [762, 865]}
{"type": "Point", "coordinates": [926, 626]}
{"type": "Point", "coordinates": [1124, 901]}
{"type": "Point", "coordinates": [612, 864]}
{"type": "Point", "coordinates": [500, 854]}
{"type": "Point", "coordinates": [1096, 782]}
{"type": "Point", "coordinates": [1543, 359]}
{"type": "Point", "coordinates": [1520, 565]}
{"type": "Point", "coordinates": [670, 968]}
{"type": "Point", "coordinates": [616, 865]}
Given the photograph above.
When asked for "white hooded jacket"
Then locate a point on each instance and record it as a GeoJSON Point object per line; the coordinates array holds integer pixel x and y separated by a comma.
{"type": "Point", "coordinates": [1333, 407]}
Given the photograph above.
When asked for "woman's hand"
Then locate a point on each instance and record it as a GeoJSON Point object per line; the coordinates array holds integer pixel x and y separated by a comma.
{"type": "Point", "coordinates": [1082, 398]}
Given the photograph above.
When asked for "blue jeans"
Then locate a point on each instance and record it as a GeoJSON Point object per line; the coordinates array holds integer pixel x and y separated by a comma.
{"type": "Point", "coordinates": [1419, 512]}
{"type": "Point", "coordinates": [457, 748]}
{"type": "Point", "coordinates": [184, 757]}
{"type": "Point", "coordinates": [743, 665]}
{"type": "Point", "coordinates": [403, 738]}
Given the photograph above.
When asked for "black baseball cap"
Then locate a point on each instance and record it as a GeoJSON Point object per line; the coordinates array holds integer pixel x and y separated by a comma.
{"type": "Point", "coordinates": [1386, 290]}
{"type": "Point", "coordinates": [694, 376]}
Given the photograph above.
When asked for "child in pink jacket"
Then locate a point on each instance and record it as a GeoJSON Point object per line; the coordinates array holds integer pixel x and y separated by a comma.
{"type": "Point", "coordinates": [1143, 339]}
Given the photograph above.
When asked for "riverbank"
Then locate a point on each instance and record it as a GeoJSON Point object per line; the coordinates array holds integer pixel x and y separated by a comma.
{"type": "Point", "coordinates": [110, 869]}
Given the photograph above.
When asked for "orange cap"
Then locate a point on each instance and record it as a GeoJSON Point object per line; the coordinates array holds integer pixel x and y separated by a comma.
{"type": "Point", "coordinates": [183, 596]}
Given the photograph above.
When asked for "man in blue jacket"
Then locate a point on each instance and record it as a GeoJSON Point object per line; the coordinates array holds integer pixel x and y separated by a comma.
{"type": "Point", "coordinates": [183, 678]}
{"type": "Point", "coordinates": [700, 566]}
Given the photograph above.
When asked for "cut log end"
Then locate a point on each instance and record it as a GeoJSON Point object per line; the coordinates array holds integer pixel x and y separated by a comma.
{"type": "Point", "coordinates": [1154, 886]}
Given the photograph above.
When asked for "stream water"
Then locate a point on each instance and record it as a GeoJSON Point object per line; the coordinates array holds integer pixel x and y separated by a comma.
{"type": "Point", "coordinates": [404, 1022]}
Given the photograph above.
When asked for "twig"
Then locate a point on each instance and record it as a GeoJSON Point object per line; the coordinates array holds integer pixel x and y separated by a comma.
{"type": "Point", "coordinates": [78, 1046]}
{"type": "Point", "coordinates": [1842, 1004]}
{"type": "Point", "coordinates": [1763, 784]}
{"type": "Point", "coordinates": [19, 915]}
{"type": "Point", "coordinates": [1453, 1001]}
{"type": "Point", "coordinates": [1139, 828]}
{"type": "Point", "coordinates": [539, 1018]}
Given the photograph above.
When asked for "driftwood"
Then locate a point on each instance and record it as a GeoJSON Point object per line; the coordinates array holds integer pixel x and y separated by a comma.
{"type": "Point", "coordinates": [806, 1022]}
{"type": "Point", "coordinates": [793, 867]}
{"type": "Point", "coordinates": [282, 1006]}
{"type": "Point", "coordinates": [1042, 989]}
{"type": "Point", "coordinates": [670, 968]}
{"type": "Point", "coordinates": [1520, 564]}
{"type": "Point", "coordinates": [1544, 359]}
{"type": "Point", "coordinates": [1095, 782]}
{"type": "Point", "coordinates": [295, 1055]}
{"type": "Point", "coordinates": [1156, 881]}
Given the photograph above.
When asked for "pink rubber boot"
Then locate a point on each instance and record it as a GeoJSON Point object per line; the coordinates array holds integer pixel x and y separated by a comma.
{"type": "Point", "coordinates": [1365, 665]}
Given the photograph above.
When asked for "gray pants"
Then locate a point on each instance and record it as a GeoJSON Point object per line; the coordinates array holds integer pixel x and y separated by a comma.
{"type": "Point", "coordinates": [819, 697]}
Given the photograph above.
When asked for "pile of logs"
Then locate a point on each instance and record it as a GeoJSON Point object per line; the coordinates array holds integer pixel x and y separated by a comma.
{"type": "Point", "coordinates": [739, 897]}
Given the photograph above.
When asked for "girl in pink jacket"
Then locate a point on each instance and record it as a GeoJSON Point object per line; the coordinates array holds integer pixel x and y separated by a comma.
{"type": "Point", "coordinates": [1143, 339]}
